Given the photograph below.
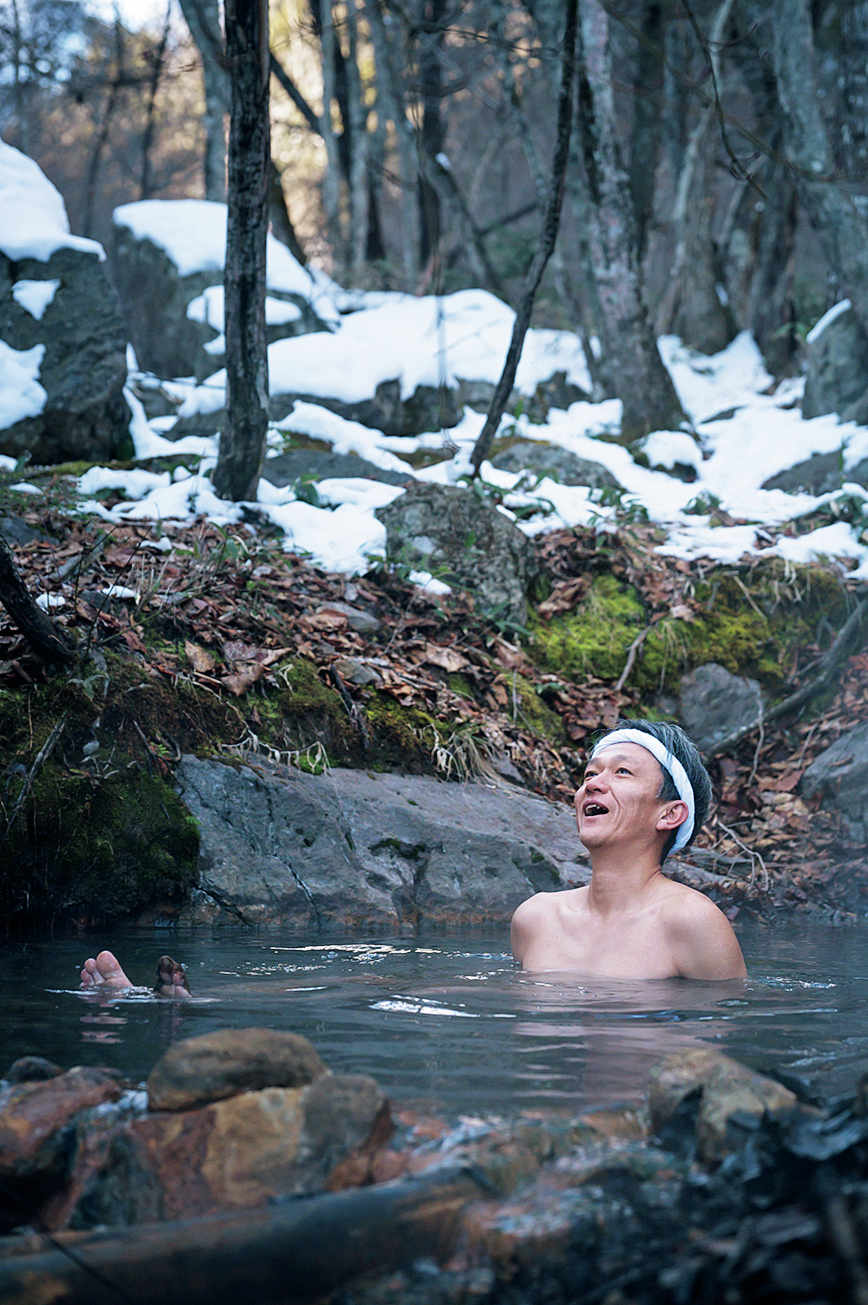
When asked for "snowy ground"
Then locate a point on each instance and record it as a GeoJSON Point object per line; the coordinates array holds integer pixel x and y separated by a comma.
{"type": "Point", "coordinates": [746, 434]}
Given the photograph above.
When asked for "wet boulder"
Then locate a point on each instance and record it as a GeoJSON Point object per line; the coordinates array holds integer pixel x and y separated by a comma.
{"type": "Point", "coordinates": [840, 774]}
{"type": "Point", "coordinates": [715, 704]}
{"type": "Point", "coordinates": [238, 1153]}
{"type": "Point", "coordinates": [62, 338]}
{"type": "Point", "coordinates": [448, 531]}
{"type": "Point", "coordinates": [167, 261]}
{"type": "Point", "coordinates": [35, 1119]}
{"type": "Point", "coordinates": [836, 366]}
{"type": "Point", "coordinates": [727, 1096]}
{"type": "Point", "coordinates": [549, 460]}
{"type": "Point", "coordinates": [222, 1064]}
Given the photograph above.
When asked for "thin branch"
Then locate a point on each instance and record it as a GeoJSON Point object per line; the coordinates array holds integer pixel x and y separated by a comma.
{"type": "Point", "coordinates": [547, 243]}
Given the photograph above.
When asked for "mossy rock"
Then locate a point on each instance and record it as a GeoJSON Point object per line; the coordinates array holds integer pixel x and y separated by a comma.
{"type": "Point", "coordinates": [593, 639]}
{"type": "Point", "coordinates": [752, 621]}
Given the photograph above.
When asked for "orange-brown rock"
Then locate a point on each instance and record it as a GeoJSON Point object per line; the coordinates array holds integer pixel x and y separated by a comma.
{"type": "Point", "coordinates": [34, 1118]}
{"type": "Point", "coordinates": [222, 1064]}
{"type": "Point", "coordinates": [724, 1087]}
{"type": "Point", "coordinates": [237, 1153]}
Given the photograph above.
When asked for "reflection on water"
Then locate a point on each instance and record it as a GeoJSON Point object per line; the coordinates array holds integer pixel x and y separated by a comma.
{"type": "Point", "coordinates": [449, 1020]}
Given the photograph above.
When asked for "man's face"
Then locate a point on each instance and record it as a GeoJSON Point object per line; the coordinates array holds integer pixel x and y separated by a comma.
{"type": "Point", "coordinates": [617, 802]}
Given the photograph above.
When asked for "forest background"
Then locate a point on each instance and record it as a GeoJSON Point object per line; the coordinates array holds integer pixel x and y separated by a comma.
{"type": "Point", "coordinates": [716, 178]}
{"type": "Point", "coordinates": [714, 183]}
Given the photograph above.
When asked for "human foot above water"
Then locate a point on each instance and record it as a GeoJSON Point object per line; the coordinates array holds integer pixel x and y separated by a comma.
{"type": "Point", "coordinates": [105, 973]}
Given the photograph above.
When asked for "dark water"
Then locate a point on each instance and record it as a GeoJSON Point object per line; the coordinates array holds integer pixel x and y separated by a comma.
{"type": "Point", "coordinates": [449, 1021]}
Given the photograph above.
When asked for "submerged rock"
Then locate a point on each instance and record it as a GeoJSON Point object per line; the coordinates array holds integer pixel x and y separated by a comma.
{"type": "Point", "coordinates": [238, 1153]}
{"type": "Point", "coordinates": [724, 1089]}
{"type": "Point", "coordinates": [218, 1065]}
{"type": "Point", "coordinates": [35, 1116]}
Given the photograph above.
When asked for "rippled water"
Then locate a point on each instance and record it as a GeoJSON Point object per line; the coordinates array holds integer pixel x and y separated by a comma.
{"type": "Point", "coordinates": [449, 1021]}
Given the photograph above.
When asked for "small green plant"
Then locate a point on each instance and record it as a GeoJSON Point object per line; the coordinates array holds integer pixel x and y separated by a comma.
{"type": "Point", "coordinates": [703, 505]}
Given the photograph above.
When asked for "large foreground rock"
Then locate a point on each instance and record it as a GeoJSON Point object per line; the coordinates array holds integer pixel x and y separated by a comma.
{"type": "Point", "coordinates": [62, 339]}
{"type": "Point", "coordinates": [279, 846]}
{"type": "Point", "coordinates": [449, 532]}
{"type": "Point", "coordinates": [841, 775]}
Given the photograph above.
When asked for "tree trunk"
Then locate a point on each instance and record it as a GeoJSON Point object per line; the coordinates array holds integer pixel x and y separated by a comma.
{"type": "Point", "coordinates": [157, 60]}
{"type": "Point", "coordinates": [840, 228]}
{"type": "Point", "coordinates": [203, 19]}
{"type": "Point", "coordinates": [853, 81]}
{"type": "Point", "coordinates": [242, 442]}
{"type": "Point", "coordinates": [503, 389]}
{"type": "Point", "coordinates": [331, 184]}
{"type": "Point", "coordinates": [631, 365]}
{"type": "Point", "coordinates": [433, 132]}
{"type": "Point", "coordinates": [281, 222]}
{"type": "Point", "coordinates": [390, 93]}
{"type": "Point", "coordinates": [691, 306]}
{"type": "Point", "coordinates": [357, 118]}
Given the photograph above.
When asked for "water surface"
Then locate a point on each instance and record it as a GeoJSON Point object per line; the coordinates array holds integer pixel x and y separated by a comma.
{"type": "Point", "coordinates": [449, 1022]}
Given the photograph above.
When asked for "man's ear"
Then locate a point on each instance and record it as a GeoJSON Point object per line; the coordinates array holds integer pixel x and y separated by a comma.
{"type": "Point", "coordinates": [674, 815]}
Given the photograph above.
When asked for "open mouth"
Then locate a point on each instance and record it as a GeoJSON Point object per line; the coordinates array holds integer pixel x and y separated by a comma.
{"type": "Point", "coordinates": [594, 809]}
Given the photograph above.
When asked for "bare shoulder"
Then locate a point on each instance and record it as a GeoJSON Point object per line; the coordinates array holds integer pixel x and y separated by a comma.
{"type": "Point", "coordinates": [702, 939]}
{"type": "Point", "coordinates": [533, 916]}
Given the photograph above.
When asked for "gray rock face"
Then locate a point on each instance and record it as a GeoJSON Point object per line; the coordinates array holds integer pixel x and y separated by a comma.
{"type": "Point", "coordinates": [841, 774]}
{"type": "Point", "coordinates": [83, 369]}
{"type": "Point", "coordinates": [446, 530]}
{"type": "Point", "coordinates": [822, 473]}
{"type": "Point", "coordinates": [386, 410]}
{"type": "Point", "coordinates": [155, 298]}
{"type": "Point", "coordinates": [279, 846]}
{"type": "Point", "coordinates": [715, 703]}
{"type": "Point", "coordinates": [556, 392]}
{"type": "Point", "coordinates": [837, 370]}
{"type": "Point", "coordinates": [549, 460]}
{"type": "Point", "coordinates": [320, 465]}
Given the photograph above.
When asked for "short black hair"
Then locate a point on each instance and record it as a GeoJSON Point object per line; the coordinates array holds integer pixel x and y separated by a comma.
{"type": "Point", "coordinates": [676, 741]}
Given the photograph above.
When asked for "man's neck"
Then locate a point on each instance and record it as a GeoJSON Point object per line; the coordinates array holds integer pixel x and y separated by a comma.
{"type": "Point", "coordinates": [622, 878]}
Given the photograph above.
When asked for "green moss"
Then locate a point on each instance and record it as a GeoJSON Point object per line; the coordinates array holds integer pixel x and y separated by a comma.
{"type": "Point", "coordinates": [533, 712]}
{"type": "Point", "coordinates": [594, 638]}
{"type": "Point", "coordinates": [753, 622]}
{"type": "Point", "coordinates": [303, 712]}
{"type": "Point", "coordinates": [461, 685]}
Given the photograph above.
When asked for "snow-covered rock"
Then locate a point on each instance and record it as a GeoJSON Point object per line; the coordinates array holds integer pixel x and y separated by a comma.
{"type": "Point", "coordinates": [62, 341]}
{"type": "Point", "coordinates": [167, 260]}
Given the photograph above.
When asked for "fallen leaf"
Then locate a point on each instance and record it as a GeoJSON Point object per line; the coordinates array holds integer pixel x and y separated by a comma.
{"type": "Point", "coordinates": [200, 659]}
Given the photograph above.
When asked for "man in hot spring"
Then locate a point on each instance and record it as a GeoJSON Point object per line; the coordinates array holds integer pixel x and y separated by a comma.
{"type": "Point", "coordinates": [645, 794]}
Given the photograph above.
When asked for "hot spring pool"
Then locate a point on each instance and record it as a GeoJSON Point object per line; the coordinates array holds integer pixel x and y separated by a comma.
{"type": "Point", "coordinates": [447, 1021]}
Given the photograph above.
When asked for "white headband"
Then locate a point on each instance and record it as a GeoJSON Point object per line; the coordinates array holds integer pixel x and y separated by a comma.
{"type": "Point", "coordinates": [669, 763]}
